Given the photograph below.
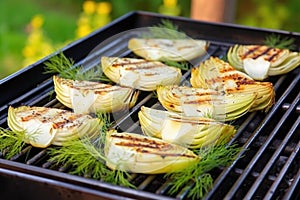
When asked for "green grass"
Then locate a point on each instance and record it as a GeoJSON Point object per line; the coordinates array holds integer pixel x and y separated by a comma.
{"type": "Point", "coordinates": [59, 26]}
{"type": "Point", "coordinates": [60, 18]}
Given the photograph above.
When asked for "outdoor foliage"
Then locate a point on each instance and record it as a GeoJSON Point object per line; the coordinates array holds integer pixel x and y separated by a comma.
{"type": "Point", "coordinates": [32, 29]}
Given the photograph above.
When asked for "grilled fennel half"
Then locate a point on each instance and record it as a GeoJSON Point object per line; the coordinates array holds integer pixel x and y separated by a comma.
{"type": "Point", "coordinates": [219, 75]}
{"type": "Point", "coordinates": [44, 126]}
{"type": "Point", "coordinates": [136, 153]}
{"type": "Point", "coordinates": [139, 73]}
{"type": "Point", "coordinates": [205, 102]}
{"type": "Point", "coordinates": [91, 97]}
{"type": "Point", "coordinates": [168, 49]}
{"type": "Point", "coordinates": [261, 61]}
{"type": "Point", "coordinates": [190, 132]}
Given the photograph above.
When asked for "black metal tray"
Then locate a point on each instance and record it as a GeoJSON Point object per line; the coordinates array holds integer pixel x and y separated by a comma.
{"type": "Point", "coordinates": [273, 137]}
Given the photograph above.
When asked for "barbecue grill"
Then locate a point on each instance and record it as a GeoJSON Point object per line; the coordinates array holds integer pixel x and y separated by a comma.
{"type": "Point", "coordinates": [267, 168]}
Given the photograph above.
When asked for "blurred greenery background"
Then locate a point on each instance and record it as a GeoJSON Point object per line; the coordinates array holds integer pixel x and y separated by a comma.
{"type": "Point", "coordinates": [32, 29]}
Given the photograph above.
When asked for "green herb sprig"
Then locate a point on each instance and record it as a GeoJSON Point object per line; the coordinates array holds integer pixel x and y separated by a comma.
{"type": "Point", "coordinates": [66, 68]}
{"type": "Point", "coordinates": [165, 30]}
{"type": "Point", "coordinates": [181, 65]}
{"type": "Point", "coordinates": [11, 143]}
{"type": "Point", "coordinates": [276, 41]}
{"type": "Point", "coordinates": [197, 176]}
{"type": "Point", "coordinates": [86, 156]}
{"type": "Point", "coordinates": [86, 159]}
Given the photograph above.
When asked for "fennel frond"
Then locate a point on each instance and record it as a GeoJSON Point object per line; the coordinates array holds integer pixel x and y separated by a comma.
{"type": "Point", "coordinates": [181, 65]}
{"type": "Point", "coordinates": [67, 69]}
{"type": "Point", "coordinates": [165, 30]}
{"type": "Point", "coordinates": [11, 143]}
{"type": "Point", "coordinates": [276, 41]}
{"type": "Point", "coordinates": [197, 176]}
{"type": "Point", "coordinates": [86, 156]}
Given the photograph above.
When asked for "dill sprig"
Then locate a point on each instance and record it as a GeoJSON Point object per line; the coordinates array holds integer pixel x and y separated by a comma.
{"type": "Point", "coordinates": [66, 68]}
{"type": "Point", "coordinates": [11, 143]}
{"type": "Point", "coordinates": [224, 58]}
{"type": "Point", "coordinates": [181, 65]}
{"type": "Point", "coordinates": [86, 156]}
{"type": "Point", "coordinates": [165, 30]}
{"type": "Point", "coordinates": [197, 176]}
{"type": "Point", "coordinates": [276, 41]}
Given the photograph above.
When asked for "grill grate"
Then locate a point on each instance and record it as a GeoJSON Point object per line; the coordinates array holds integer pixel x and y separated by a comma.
{"type": "Point", "coordinates": [269, 168]}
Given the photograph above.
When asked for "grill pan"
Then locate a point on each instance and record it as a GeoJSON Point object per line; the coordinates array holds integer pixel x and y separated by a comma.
{"type": "Point", "coordinates": [268, 169]}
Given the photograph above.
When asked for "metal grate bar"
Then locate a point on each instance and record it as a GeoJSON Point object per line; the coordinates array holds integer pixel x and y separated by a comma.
{"type": "Point", "coordinates": [276, 154]}
{"type": "Point", "coordinates": [271, 157]}
{"type": "Point", "coordinates": [221, 179]}
{"type": "Point", "coordinates": [282, 173]}
{"type": "Point", "coordinates": [146, 182]}
{"type": "Point", "coordinates": [230, 169]}
{"type": "Point", "coordinates": [251, 164]}
{"type": "Point", "coordinates": [293, 187]}
{"type": "Point", "coordinates": [37, 157]}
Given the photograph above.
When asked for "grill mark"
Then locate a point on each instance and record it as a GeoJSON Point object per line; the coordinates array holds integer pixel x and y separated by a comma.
{"type": "Point", "coordinates": [165, 154]}
{"type": "Point", "coordinates": [98, 88]}
{"type": "Point", "coordinates": [87, 84]}
{"type": "Point", "coordinates": [144, 148]}
{"type": "Point", "coordinates": [269, 53]}
{"type": "Point", "coordinates": [197, 94]}
{"type": "Point", "coordinates": [262, 53]}
{"type": "Point", "coordinates": [127, 62]}
{"type": "Point", "coordinates": [68, 121]}
{"type": "Point", "coordinates": [237, 78]}
{"type": "Point", "coordinates": [98, 91]}
{"type": "Point", "coordinates": [150, 143]}
{"type": "Point", "coordinates": [101, 89]}
{"type": "Point", "coordinates": [185, 47]}
{"type": "Point", "coordinates": [34, 113]}
{"type": "Point", "coordinates": [145, 145]}
{"type": "Point", "coordinates": [142, 145]}
{"type": "Point", "coordinates": [142, 64]}
{"type": "Point", "coordinates": [198, 101]}
{"type": "Point", "coordinates": [274, 55]}
{"type": "Point", "coordinates": [225, 68]}
{"type": "Point", "coordinates": [193, 123]}
{"type": "Point", "coordinates": [41, 115]}
{"type": "Point", "coordinates": [60, 124]}
{"type": "Point", "coordinates": [172, 105]}
{"type": "Point", "coordinates": [151, 74]}
{"type": "Point", "coordinates": [180, 92]}
{"type": "Point", "coordinates": [214, 80]}
{"type": "Point", "coordinates": [91, 84]}
{"type": "Point", "coordinates": [245, 55]}
{"type": "Point", "coordinates": [205, 93]}
{"type": "Point", "coordinates": [152, 66]}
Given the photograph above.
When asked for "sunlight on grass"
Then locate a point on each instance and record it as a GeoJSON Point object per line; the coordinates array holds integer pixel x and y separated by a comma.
{"type": "Point", "coordinates": [62, 22]}
{"type": "Point", "coordinates": [68, 20]}
{"type": "Point", "coordinates": [15, 15]}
